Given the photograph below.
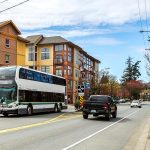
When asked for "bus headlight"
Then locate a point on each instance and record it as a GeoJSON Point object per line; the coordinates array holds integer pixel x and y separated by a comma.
{"type": "Point", "coordinates": [12, 105]}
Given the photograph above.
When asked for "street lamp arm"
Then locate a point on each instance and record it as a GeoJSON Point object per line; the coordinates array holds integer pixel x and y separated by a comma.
{"type": "Point", "coordinates": [141, 31]}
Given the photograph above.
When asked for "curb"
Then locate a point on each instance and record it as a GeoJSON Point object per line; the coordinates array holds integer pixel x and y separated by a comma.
{"type": "Point", "coordinates": [147, 147]}
{"type": "Point", "coordinates": [142, 143]}
{"type": "Point", "coordinates": [140, 140]}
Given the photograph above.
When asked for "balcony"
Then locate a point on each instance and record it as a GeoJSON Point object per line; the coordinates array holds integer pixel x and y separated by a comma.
{"type": "Point", "coordinates": [58, 61]}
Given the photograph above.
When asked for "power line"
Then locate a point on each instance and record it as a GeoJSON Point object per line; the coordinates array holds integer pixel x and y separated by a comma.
{"type": "Point", "coordinates": [3, 1]}
{"type": "Point", "coordinates": [14, 6]}
{"type": "Point", "coordinates": [140, 19]}
{"type": "Point", "coordinates": [146, 21]}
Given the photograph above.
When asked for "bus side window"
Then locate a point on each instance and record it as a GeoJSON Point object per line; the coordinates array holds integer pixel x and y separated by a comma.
{"type": "Point", "coordinates": [22, 73]}
{"type": "Point", "coordinates": [62, 82]}
{"type": "Point", "coordinates": [56, 80]}
{"type": "Point", "coordinates": [37, 76]}
{"type": "Point", "coordinates": [29, 74]}
{"type": "Point", "coordinates": [50, 79]}
{"type": "Point", "coordinates": [21, 96]}
{"type": "Point", "coordinates": [44, 78]}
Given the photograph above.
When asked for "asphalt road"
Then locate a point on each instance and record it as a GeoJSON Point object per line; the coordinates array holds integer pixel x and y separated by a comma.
{"type": "Point", "coordinates": [68, 130]}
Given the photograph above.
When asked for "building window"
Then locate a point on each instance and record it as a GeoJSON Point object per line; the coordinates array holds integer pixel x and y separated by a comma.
{"type": "Point", "coordinates": [7, 58]}
{"type": "Point", "coordinates": [69, 55]}
{"type": "Point", "coordinates": [77, 59]}
{"type": "Point", "coordinates": [65, 47]}
{"type": "Point", "coordinates": [31, 53]}
{"type": "Point", "coordinates": [69, 84]}
{"type": "Point", "coordinates": [65, 58]}
{"type": "Point", "coordinates": [65, 70]}
{"type": "Point", "coordinates": [76, 84]}
{"type": "Point", "coordinates": [45, 54]}
{"type": "Point", "coordinates": [59, 72]}
{"type": "Point", "coordinates": [58, 47]}
{"type": "Point", "coordinates": [76, 73]}
{"type": "Point", "coordinates": [45, 69]}
{"type": "Point", "coordinates": [59, 57]}
{"type": "Point", "coordinates": [7, 43]}
{"type": "Point", "coordinates": [69, 71]}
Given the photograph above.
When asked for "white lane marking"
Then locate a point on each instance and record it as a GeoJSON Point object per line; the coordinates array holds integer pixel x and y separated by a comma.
{"type": "Point", "coordinates": [66, 148]}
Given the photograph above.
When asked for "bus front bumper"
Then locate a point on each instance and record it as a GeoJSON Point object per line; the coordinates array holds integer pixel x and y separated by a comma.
{"type": "Point", "coordinates": [9, 110]}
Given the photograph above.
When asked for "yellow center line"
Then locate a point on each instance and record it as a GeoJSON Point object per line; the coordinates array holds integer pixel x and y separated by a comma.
{"type": "Point", "coordinates": [37, 124]}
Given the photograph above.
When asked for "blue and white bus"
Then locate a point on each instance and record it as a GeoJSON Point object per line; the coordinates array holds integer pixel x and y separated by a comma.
{"type": "Point", "coordinates": [28, 91]}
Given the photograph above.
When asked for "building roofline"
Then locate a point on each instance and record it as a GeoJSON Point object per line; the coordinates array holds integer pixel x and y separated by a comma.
{"type": "Point", "coordinates": [84, 51]}
{"type": "Point", "coordinates": [23, 39]}
{"type": "Point", "coordinates": [37, 41]}
{"type": "Point", "coordinates": [10, 22]}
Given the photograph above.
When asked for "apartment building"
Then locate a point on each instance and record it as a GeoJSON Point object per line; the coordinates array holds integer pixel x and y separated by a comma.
{"type": "Point", "coordinates": [12, 46]}
{"type": "Point", "coordinates": [59, 56]}
{"type": "Point", "coordinates": [8, 43]}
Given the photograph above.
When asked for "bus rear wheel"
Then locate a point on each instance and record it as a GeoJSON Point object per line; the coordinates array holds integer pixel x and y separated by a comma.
{"type": "Point", "coordinates": [56, 109]}
{"type": "Point", "coordinates": [60, 107]}
{"type": "Point", "coordinates": [29, 110]}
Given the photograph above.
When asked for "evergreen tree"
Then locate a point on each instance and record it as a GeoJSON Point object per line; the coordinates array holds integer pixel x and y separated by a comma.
{"type": "Point", "coordinates": [132, 71]}
{"type": "Point", "coordinates": [135, 70]}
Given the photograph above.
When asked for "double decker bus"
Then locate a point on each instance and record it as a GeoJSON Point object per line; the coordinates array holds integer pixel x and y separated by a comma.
{"type": "Point", "coordinates": [28, 91]}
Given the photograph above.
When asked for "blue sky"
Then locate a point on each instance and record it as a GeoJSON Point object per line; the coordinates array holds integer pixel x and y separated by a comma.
{"type": "Point", "coordinates": [107, 30]}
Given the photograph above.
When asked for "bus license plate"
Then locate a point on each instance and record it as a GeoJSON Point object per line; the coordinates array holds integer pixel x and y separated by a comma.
{"type": "Point", "coordinates": [93, 111]}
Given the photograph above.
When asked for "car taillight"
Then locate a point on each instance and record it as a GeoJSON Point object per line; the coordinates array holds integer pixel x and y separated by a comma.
{"type": "Point", "coordinates": [105, 105]}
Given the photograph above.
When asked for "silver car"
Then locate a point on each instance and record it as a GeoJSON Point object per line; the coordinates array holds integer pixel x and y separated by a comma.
{"type": "Point", "coordinates": [136, 103]}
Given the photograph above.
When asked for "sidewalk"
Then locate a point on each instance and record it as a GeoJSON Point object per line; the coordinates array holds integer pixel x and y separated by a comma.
{"type": "Point", "coordinates": [141, 139]}
{"type": "Point", "coordinates": [143, 142]}
{"type": "Point", "coordinates": [70, 108]}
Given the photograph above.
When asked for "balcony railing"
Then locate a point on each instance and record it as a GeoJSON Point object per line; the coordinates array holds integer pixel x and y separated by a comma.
{"type": "Point", "coordinates": [58, 61]}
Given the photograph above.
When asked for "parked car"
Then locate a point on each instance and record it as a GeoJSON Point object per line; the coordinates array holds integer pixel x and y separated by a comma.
{"type": "Point", "coordinates": [116, 101]}
{"type": "Point", "coordinates": [136, 103]}
{"type": "Point", "coordinates": [100, 105]}
{"type": "Point", "coordinates": [122, 101]}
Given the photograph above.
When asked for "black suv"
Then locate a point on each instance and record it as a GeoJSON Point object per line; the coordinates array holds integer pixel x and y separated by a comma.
{"type": "Point", "coordinates": [100, 105]}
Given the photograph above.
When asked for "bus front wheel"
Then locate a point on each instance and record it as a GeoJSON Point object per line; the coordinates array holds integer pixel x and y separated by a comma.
{"type": "Point", "coordinates": [5, 114]}
{"type": "Point", "coordinates": [29, 110]}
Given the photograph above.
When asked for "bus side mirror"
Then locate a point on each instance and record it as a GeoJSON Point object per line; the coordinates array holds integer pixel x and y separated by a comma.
{"type": "Point", "coordinates": [2, 100]}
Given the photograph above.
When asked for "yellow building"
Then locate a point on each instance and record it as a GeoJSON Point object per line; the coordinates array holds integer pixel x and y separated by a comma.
{"type": "Point", "coordinates": [21, 51]}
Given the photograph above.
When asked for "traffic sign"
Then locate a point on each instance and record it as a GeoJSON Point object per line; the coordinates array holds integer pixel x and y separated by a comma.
{"type": "Point", "coordinates": [87, 85]}
{"type": "Point", "coordinates": [81, 98]}
{"type": "Point", "coordinates": [81, 90]}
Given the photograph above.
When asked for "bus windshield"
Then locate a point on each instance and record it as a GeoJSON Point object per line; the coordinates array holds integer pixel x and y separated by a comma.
{"type": "Point", "coordinates": [8, 94]}
{"type": "Point", "coordinates": [7, 73]}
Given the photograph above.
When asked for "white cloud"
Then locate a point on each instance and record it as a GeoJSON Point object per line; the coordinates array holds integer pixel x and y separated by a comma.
{"type": "Point", "coordinates": [46, 13]}
{"type": "Point", "coordinates": [100, 41]}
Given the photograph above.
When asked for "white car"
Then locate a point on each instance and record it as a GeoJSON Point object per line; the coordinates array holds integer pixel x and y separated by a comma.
{"type": "Point", "coordinates": [136, 103]}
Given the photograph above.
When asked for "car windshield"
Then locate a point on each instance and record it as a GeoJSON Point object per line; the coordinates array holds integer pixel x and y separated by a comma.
{"type": "Point", "coordinates": [98, 98]}
{"type": "Point", "coordinates": [8, 94]}
{"type": "Point", "coordinates": [135, 101]}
